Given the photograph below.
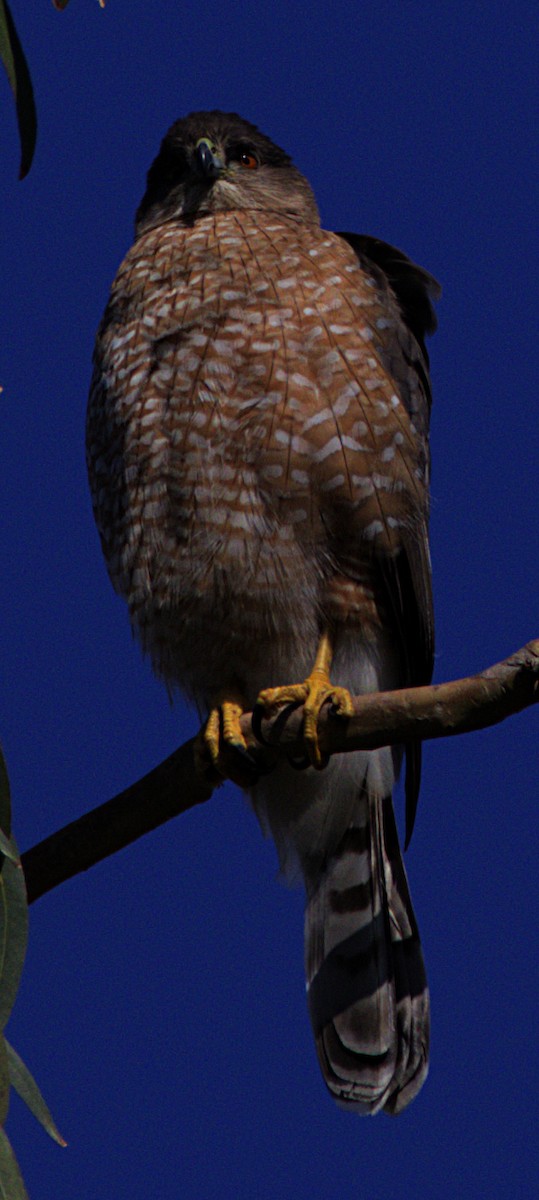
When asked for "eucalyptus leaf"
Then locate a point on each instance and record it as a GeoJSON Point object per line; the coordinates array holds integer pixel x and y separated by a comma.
{"type": "Point", "coordinates": [12, 55]}
{"type": "Point", "coordinates": [13, 934]}
{"type": "Point", "coordinates": [8, 848]}
{"type": "Point", "coordinates": [26, 1086]}
{"type": "Point", "coordinates": [11, 1184]}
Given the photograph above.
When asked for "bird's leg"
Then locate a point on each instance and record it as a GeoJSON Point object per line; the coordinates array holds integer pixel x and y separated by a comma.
{"type": "Point", "coordinates": [221, 745]}
{"type": "Point", "coordinates": [313, 693]}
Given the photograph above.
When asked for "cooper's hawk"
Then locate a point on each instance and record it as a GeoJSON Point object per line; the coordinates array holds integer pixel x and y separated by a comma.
{"type": "Point", "coordinates": [258, 457]}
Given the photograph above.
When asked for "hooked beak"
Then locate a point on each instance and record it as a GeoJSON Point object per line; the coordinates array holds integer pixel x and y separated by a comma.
{"type": "Point", "coordinates": [207, 161]}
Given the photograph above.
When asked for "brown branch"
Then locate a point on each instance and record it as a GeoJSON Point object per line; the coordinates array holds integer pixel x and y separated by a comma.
{"type": "Point", "coordinates": [439, 710]}
{"type": "Point", "coordinates": [382, 719]}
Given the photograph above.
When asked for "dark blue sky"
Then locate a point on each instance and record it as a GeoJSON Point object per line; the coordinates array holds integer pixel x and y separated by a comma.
{"type": "Point", "coordinates": [162, 1007]}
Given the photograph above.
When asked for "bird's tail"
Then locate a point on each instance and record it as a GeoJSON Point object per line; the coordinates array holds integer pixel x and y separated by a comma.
{"type": "Point", "coordinates": [367, 989]}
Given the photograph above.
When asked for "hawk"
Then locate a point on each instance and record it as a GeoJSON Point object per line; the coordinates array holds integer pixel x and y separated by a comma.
{"type": "Point", "coordinates": [257, 446]}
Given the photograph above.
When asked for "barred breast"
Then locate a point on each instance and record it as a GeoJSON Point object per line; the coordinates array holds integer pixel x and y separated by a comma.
{"type": "Point", "coordinates": [247, 446]}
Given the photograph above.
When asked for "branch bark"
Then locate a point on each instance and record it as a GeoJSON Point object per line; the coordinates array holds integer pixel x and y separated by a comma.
{"type": "Point", "coordinates": [381, 719]}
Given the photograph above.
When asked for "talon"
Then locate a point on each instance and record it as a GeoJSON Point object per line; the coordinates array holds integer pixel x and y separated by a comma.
{"type": "Point", "coordinates": [256, 723]}
{"type": "Point", "coordinates": [313, 694]}
{"type": "Point", "coordinates": [221, 748]}
{"type": "Point", "coordinates": [272, 699]}
{"type": "Point", "coordinates": [211, 736]}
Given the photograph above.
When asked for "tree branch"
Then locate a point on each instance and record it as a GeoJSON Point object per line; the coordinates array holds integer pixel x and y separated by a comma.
{"type": "Point", "coordinates": [382, 719]}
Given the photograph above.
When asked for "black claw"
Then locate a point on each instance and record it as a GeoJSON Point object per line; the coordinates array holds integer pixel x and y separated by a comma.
{"type": "Point", "coordinates": [279, 721]}
{"type": "Point", "coordinates": [259, 713]}
{"type": "Point", "coordinates": [245, 767]}
{"type": "Point", "coordinates": [241, 755]}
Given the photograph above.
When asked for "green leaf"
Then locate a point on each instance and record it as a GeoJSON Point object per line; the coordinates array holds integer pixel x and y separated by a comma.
{"type": "Point", "coordinates": [11, 1184]}
{"type": "Point", "coordinates": [26, 1086]}
{"type": "Point", "coordinates": [13, 933]}
{"type": "Point", "coordinates": [5, 797]}
{"type": "Point", "coordinates": [12, 55]}
{"type": "Point", "coordinates": [8, 848]}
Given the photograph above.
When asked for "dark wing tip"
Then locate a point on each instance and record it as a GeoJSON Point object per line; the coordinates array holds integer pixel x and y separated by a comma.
{"type": "Point", "coordinates": [411, 788]}
{"type": "Point", "coordinates": [414, 287]}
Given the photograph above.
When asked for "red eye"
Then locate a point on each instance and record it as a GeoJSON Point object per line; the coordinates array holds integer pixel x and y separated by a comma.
{"type": "Point", "coordinates": [248, 160]}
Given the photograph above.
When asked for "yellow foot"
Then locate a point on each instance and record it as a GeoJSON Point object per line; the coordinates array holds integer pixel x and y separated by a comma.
{"type": "Point", "coordinates": [313, 694]}
{"type": "Point", "coordinates": [221, 745]}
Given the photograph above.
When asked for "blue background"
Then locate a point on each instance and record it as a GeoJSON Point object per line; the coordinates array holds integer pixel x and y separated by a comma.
{"type": "Point", "coordinates": [162, 1006]}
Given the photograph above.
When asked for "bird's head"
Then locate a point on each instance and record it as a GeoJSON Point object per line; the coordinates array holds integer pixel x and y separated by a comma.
{"type": "Point", "coordinates": [216, 162]}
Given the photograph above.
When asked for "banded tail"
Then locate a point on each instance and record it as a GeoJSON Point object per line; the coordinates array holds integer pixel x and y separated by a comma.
{"type": "Point", "coordinates": [367, 988]}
